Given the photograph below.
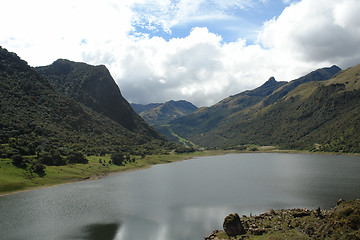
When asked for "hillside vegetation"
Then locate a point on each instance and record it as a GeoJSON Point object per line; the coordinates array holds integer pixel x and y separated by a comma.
{"type": "Point", "coordinates": [313, 113]}
{"type": "Point", "coordinates": [340, 222]}
{"type": "Point", "coordinates": [40, 126]}
{"type": "Point", "coordinates": [162, 113]}
{"type": "Point", "coordinates": [94, 87]}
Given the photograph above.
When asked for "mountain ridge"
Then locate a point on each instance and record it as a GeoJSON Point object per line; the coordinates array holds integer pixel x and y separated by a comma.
{"type": "Point", "coordinates": [317, 115]}
{"type": "Point", "coordinates": [35, 117]}
{"type": "Point", "coordinates": [94, 87]}
{"type": "Point", "coordinates": [162, 113]}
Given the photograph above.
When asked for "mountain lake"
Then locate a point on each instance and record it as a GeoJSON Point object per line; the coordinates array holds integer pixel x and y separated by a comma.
{"type": "Point", "coordinates": [178, 201]}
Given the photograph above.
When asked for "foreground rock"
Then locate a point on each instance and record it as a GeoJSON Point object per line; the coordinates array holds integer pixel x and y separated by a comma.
{"type": "Point", "coordinates": [233, 226]}
{"type": "Point", "coordinates": [341, 222]}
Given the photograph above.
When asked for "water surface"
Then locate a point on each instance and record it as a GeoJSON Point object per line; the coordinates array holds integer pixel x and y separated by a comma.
{"type": "Point", "coordinates": [178, 201]}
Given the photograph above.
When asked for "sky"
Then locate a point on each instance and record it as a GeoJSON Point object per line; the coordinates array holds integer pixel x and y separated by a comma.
{"type": "Point", "coordinates": [201, 51]}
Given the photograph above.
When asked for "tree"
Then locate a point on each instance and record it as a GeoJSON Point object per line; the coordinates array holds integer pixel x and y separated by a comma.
{"type": "Point", "coordinates": [18, 161]}
{"type": "Point", "coordinates": [52, 158]}
{"type": "Point", "coordinates": [38, 168]}
{"type": "Point", "coordinates": [117, 158]}
{"type": "Point", "coordinates": [77, 157]}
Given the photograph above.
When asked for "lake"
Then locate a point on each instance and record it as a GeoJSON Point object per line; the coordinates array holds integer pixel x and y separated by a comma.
{"type": "Point", "coordinates": [178, 201]}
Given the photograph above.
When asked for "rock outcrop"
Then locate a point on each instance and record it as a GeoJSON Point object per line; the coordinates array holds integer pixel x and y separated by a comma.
{"type": "Point", "coordinates": [233, 225]}
{"type": "Point", "coordinates": [340, 222]}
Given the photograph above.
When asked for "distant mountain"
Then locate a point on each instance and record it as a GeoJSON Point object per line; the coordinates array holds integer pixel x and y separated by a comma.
{"type": "Point", "coordinates": [94, 87]}
{"type": "Point", "coordinates": [312, 112]}
{"type": "Point", "coordinates": [317, 75]}
{"type": "Point", "coordinates": [321, 115]}
{"type": "Point", "coordinates": [36, 117]}
{"type": "Point", "coordinates": [139, 108]}
{"type": "Point", "coordinates": [206, 118]}
{"type": "Point", "coordinates": [158, 114]}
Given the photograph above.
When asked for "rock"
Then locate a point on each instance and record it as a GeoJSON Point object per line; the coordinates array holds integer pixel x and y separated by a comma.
{"type": "Point", "coordinates": [318, 212]}
{"type": "Point", "coordinates": [340, 201]}
{"type": "Point", "coordinates": [233, 225]}
{"type": "Point", "coordinates": [300, 214]}
{"type": "Point", "coordinates": [258, 231]}
{"type": "Point", "coordinates": [270, 212]}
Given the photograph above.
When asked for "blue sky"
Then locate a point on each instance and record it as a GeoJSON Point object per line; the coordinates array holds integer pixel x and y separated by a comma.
{"type": "Point", "coordinates": [234, 22]}
{"type": "Point", "coordinates": [197, 50]}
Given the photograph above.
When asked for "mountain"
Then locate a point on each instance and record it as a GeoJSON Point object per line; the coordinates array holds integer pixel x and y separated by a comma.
{"type": "Point", "coordinates": [94, 87]}
{"type": "Point", "coordinates": [207, 118]}
{"type": "Point", "coordinates": [36, 117]}
{"type": "Point", "coordinates": [317, 75]}
{"type": "Point", "coordinates": [303, 113]}
{"type": "Point", "coordinates": [159, 114]}
{"type": "Point", "coordinates": [139, 108]}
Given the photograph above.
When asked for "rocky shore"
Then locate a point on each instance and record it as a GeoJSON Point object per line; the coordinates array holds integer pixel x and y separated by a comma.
{"type": "Point", "coordinates": [340, 222]}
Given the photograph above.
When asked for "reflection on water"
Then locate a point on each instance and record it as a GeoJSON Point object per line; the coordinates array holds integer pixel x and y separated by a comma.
{"type": "Point", "coordinates": [179, 201]}
{"type": "Point", "coordinates": [101, 231]}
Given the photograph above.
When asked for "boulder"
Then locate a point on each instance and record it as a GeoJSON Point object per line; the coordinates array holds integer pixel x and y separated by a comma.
{"type": "Point", "coordinates": [233, 225]}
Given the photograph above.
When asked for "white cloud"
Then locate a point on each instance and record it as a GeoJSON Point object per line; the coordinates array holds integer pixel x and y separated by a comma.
{"type": "Point", "coordinates": [326, 31]}
{"type": "Point", "coordinates": [200, 67]}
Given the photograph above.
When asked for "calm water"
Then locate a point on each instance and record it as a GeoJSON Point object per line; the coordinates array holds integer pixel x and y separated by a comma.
{"type": "Point", "coordinates": [178, 201]}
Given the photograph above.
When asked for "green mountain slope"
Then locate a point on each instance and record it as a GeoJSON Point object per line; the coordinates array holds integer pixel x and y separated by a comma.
{"type": "Point", "coordinates": [35, 117]}
{"type": "Point", "coordinates": [262, 116]}
{"type": "Point", "coordinates": [206, 118]}
{"type": "Point", "coordinates": [317, 75]}
{"type": "Point", "coordinates": [159, 114]}
{"type": "Point", "coordinates": [94, 87]}
{"type": "Point", "coordinates": [139, 108]}
{"type": "Point", "coordinates": [316, 115]}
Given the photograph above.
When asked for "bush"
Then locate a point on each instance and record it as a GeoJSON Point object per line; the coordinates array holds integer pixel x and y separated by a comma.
{"type": "Point", "coordinates": [184, 149]}
{"type": "Point", "coordinates": [52, 158]}
{"type": "Point", "coordinates": [38, 168]}
{"type": "Point", "coordinates": [18, 161]}
{"type": "Point", "coordinates": [117, 158]}
{"type": "Point", "coordinates": [77, 157]}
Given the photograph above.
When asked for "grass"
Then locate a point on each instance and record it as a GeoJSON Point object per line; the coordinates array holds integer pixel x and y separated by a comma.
{"type": "Point", "coordinates": [340, 222]}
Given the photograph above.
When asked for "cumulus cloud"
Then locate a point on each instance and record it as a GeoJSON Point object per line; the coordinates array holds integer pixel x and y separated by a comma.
{"type": "Point", "coordinates": [200, 67]}
{"type": "Point", "coordinates": [317, 31]}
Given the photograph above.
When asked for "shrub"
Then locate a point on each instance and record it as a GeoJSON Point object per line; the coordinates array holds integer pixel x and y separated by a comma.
{"type": "Point", "coordinates": [52, 158]}
{"type": "Point", "coordinates": [38, 168]}
{"type": "Point", "coordinates": [117, 158]}
{"type": "Point", "coordinates": [18, 161]}
{"type": "Point", "coordinates": [77, 157]}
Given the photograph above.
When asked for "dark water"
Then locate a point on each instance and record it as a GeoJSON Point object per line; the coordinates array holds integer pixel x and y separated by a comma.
{"type": "Point", "coordinates": [178, 201]}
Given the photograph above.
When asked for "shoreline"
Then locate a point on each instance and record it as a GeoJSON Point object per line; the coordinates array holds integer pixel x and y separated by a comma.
{"type": "Point", "coordinates": [338, 222]}
{"type": "Point", "coordinates": [100, 175]}
{"type": "Point", "coordinates": [153, 162]}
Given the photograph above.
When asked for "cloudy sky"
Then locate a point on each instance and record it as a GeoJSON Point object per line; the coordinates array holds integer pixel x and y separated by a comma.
{"type": "Point", "coordinates": [198, 50]}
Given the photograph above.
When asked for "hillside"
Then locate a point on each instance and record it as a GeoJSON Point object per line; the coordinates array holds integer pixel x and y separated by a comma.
{"type": "Point", "coordinates": [94, 87]}
{"type": "Point", "coordinates": [310, 119]}
{"type": "Point", "coordinates": [207, 118]}
{"type": "Point", "coordinates": [139, 108]}
{"type": "Point", "coordinates": [321, 115]}
{"type": "Point", "coordinates": [159, 114]}
{"type": "Point", "coordinates": [36, 118]}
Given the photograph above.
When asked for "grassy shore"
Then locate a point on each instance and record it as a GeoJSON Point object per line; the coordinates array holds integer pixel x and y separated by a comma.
{"type": "Point", "coordinates": [14, 179]}
{"type": "Point", "coordinates": [341, 223]}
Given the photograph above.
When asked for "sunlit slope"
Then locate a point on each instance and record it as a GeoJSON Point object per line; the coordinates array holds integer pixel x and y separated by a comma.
{"type": "Point", "coordinates": [323, 115]}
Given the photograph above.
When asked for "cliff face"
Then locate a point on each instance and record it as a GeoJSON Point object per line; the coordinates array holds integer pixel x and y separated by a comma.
{"type": "Point", "coordinates": [94, 87]}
